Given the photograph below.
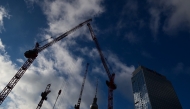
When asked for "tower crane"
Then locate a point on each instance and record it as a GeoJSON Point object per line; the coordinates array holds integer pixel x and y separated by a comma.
{"type": "Point", "coordinates": [94, 104]}
{"type": "Point", "coordinates": [31, 55]}
{"type": "Point", "coordinates": [111, 85]}
{"type": "Point", "coordinates": [57, 98]}
{"type": "Point", "coordinates": [77, 106]}
{"type": "Point", "coordinates": [44, 96]}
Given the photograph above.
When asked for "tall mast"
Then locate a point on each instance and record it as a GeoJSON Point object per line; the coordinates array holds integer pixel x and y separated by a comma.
{"type": "Point", "coordinates": [77, 106]}
{"type": "Point", "coordinates": [57, 98]}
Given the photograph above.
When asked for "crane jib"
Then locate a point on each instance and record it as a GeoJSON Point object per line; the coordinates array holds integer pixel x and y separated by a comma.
{"type": "Point", "coordinates": [63, 35]}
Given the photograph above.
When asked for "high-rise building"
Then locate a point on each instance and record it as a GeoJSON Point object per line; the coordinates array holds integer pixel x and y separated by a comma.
{"type": "Point", "coordinates": [152, 90]}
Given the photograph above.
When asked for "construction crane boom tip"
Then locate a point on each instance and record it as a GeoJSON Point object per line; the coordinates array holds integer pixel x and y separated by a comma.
{"type": "Point", "coordinates": [59, 92]}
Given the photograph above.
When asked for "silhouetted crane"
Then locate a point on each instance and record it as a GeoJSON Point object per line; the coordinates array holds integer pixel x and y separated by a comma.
{"type": "Point", "coordinates": [44, 96]}
{"type": "Point", "coordinates": [77, 106]}
{"type": "Point", "coordinates": [31, 55]}
{"type": "Point", "coordinates": [111, 85]}
{"type": "Point", "coordinates": [57, 98]}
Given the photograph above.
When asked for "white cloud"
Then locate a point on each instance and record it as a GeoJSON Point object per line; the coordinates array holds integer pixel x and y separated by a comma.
{"type": "Point", "coordinates": [26, 93]}
{"type": "Point", "coordinates": [2, 47]}
{"type": "Point", "coordinates": [63, 15]}
{"type": "Point", "coordinates": [3, 14]}
{"type": "Point", "coordinates": [20, 60]}
{"type": "Point", "coordinates": [176, 13]}
{"type": "Point", "coordinates": [56, 64]}
{"type": "Point", "coordinates": [123, 76]}
{"type": "Point", "coordinates": [90, 52]}
{"type": "Point", "coordinates": [179, 15]}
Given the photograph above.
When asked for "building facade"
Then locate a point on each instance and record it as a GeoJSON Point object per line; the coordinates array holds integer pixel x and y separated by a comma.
{"type": "Point", "coordinates": [152, 90]}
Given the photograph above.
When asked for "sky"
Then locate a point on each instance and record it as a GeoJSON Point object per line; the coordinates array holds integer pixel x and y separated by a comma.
{"type": "Point", "coordinates": [151, 33]}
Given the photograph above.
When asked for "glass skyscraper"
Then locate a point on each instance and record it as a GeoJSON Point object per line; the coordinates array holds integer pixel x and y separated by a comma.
{"type": "Point", "coordinates": [152, 90]}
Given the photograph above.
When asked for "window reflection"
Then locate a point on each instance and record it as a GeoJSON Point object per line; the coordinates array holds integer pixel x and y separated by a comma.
{"type": "Point", "coordinates": [140, 92]}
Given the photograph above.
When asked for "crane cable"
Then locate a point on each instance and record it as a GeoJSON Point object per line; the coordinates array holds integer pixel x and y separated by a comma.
{"type": "Point", "coordinates": [45, 40]}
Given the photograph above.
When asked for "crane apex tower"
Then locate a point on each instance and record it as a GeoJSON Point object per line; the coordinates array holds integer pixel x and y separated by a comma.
{"type": "Point", "coordinates": [152, 90]}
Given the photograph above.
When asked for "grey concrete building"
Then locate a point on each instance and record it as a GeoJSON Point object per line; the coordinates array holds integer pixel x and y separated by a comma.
{"type": "Point", "coordinates": [152, 90]}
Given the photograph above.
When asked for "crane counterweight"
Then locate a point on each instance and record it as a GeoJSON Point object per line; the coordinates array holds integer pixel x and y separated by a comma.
{"type": "Point", "coordinates": [32, 53]}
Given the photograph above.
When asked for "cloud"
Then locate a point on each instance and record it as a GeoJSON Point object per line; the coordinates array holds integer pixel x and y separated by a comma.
{"type": "Point", "coordinates": [56, 65]}
{"type": "Point", "coordinates": [132, 38]}
{"type": "Point", "coordinates": [2, 47]}
{"type": "Point", "coordinates": [179, 15]}
{"type": "Point", "coordinates": [26, 93]}
{"type": "Point", "coordinates": [90, 52]}
{"type": "Point", "coordinates": [123, 75]}
{"type": "Point", "coordinates": [155, 21]}
{"type": "Point", "coordinates": [20, 60]}
{"type": "Point", "coordinates": [3, 14]}
{"type": "Point", "coordinates": [71, 13]}
{"type": "Point", "coordinates": [130, 9]}
{"type": "Point", "coordinates": [176, 14]}
{"type": "Point", "coordinates": [60, 65]}
{"type": "Point", "coordinates": [180, 68]}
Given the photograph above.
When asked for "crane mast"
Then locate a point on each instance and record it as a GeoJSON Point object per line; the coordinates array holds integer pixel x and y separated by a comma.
{"type": "Point", "coordinates": [96, 88]}
{"type": "Point", "coordinates": [77, 106]}
{"type": "Point", "coordinates": [44, 96]}
{"type": "Point", "coordinates": [31, 55]}
{"type": "Point", "coordinates": [111, 85]}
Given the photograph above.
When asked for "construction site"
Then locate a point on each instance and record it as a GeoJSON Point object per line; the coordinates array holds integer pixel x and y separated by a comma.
{"type": "Point", "coordinates": [32, 54]}
{"type": "Point", "coordinates": [94, 54]}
